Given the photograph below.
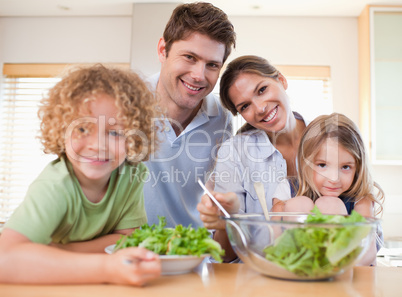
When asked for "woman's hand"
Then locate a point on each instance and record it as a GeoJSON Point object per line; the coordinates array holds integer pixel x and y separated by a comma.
{"type": "Point", "coordinates": [277, 205]}
{"type": "Point", "coordinates": [210, 213]}
{"type": "Point", "coordinates": [132, 266]}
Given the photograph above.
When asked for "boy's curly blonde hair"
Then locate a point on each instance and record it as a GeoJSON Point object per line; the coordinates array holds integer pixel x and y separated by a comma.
{"type": "Point", "coordinates": [137, 107]}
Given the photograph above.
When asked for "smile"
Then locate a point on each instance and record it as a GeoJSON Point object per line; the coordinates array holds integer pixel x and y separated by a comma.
{"type": "Point", "coordinates": [92, 160]}
{"type": "Point", "coordinates": [271, 115]}
{"type": "Point", "coordinates": [191, 87]}
{"type": "Point", "coordinates": [332, 189]}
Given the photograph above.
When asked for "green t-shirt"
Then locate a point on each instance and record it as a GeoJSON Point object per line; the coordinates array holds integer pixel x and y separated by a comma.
{"type": "Point", "coordinates": [56, 210]}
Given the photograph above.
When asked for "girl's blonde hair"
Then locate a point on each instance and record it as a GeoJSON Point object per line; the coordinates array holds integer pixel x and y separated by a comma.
{"type": "Point", "coordinates": [348, 136]}
{"type": "Point", "coordinates": [136, 104]}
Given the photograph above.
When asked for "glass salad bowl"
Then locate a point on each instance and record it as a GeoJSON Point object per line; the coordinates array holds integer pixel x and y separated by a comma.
{"type": "Point", "coordinates": [297, 246]}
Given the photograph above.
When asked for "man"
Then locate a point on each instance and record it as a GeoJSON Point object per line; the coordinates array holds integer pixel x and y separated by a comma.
{"type": "Point", "coordinates": [196, 42]}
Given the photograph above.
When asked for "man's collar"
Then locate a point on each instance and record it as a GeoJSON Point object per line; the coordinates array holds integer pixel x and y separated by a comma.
{"type": "Point", "coordinates": [210, 105]}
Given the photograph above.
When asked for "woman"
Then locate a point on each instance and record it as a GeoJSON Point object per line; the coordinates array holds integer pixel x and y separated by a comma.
{"type": "Point", "coordinates": [264, 150]}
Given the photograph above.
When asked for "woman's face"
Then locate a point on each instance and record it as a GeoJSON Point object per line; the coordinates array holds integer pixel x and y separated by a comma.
{"type": "Point", "coordinates": [262, 101]}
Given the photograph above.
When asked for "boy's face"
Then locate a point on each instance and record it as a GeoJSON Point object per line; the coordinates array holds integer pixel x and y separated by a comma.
{"type": "Point", "coordinates": [190, 70]}
{"type": "Point", "coordinates": [95, 142]}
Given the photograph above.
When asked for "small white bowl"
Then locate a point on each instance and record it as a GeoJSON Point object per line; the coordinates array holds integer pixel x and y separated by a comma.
{"type": "Point", "coordinates": [174, 264]}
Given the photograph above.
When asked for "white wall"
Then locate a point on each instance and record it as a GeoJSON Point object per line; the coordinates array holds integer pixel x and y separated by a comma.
{"type": "Point", "coordinates": [282, 40]}
{"type": "Point", "coordinates": [307, 41]}
{"type": "Point", "coordinates": [65, 39]}
{"type": "Point", "coordinates": [144, 58]}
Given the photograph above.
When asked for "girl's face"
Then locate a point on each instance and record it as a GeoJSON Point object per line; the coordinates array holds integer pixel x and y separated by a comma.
{"type": "Point", "coordinates": [262, 101]}
{"type": "Point", "coordinates": [95, 142]}
{"type": "Point", "coordinates": [334, 169]}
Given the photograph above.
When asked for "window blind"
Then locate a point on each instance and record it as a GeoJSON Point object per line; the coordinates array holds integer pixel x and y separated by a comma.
{"type": "Point", "coordinates": [21, 158]}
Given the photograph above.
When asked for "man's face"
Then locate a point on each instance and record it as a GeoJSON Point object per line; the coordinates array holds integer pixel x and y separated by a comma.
{"type": "Point", "coordinates": [190, 70]}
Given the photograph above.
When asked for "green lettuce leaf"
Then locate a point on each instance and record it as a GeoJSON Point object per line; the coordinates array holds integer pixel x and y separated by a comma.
{"type": "Point", "coordinates": [346, 240]}
{"type": "Point", "coordinates": [173, 241]}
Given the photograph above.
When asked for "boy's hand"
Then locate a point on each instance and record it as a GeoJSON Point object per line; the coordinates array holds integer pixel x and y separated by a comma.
{"type": "Point", "coordinates": [132, 266]}
{"type": "Point", "coordinates": [209, 212]}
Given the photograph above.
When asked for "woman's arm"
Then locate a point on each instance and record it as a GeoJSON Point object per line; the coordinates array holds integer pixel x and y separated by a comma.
{"type": "Point", "coordinates": [23, 261]}
{"type": "Point", "coordinates": [210, 213]}
{"type": "Point", "coordinates": [222, 237]}
{"type": "Point", "coordinates": [281, 195]}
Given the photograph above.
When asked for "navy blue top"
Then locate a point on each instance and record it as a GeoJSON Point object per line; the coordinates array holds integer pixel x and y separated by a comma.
{"type": "Point", "coordinates": [294, 186]}
{"type": "Point", "coordinates": [350, 205]}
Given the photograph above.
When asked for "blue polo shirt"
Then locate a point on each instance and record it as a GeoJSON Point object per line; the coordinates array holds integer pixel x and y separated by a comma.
{"type": "Point", "coordinates": [171, 189]}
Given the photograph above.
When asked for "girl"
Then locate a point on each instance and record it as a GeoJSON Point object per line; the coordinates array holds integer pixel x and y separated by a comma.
{"type": "Point", "coordinates": [265, 150]}
{"type": "Point", "coordinates": [333, 170]}
{"type": "Point", "coordinates": [334, 174]}
{"type": "Point", "coordinates": [99, 123]}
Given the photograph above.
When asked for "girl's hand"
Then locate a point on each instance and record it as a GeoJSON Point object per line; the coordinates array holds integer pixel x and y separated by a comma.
{"type": "Point", "coordinates": [209, 212]}
{"type": "Point", "coordinates": [299, 204]}
{"type": "Point", "coordinates": [132, 266]}
{"type": "Point", "coordinates": [331, 205]}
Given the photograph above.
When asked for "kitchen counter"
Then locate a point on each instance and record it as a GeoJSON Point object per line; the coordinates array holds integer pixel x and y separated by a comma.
{"type": "Point", "coordinates": [232, 280]}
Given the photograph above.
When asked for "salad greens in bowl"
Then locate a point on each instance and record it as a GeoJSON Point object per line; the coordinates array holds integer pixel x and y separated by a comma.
{"type": "Point", "coordinates": [181, 248]}
{"type": "Point", "coordinates": [300, 246]}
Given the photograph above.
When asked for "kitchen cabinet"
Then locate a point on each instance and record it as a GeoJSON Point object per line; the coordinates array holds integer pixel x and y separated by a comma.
{"type": "Point", "coordinates": [380, 79]}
